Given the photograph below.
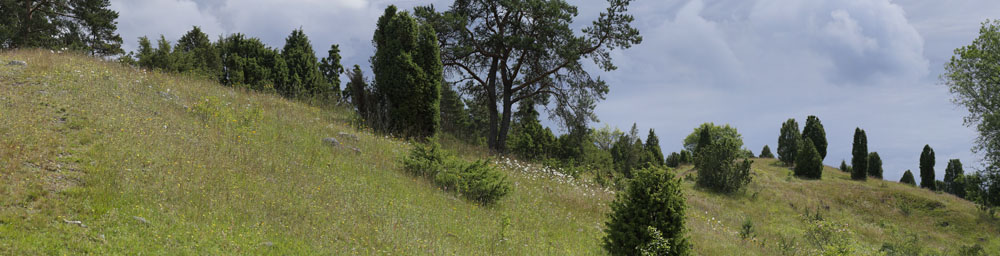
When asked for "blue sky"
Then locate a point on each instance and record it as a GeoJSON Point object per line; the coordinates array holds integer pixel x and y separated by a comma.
{"type": "Point", "coordinates": [752, 64]}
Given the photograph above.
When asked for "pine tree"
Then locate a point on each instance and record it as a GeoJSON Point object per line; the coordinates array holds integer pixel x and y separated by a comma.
{"type": "Point", "coordinates": [927, 168]}
{"type": "Point", "coordinates": [304, 78]}
{"type": "Point", "coordinates": [953, 172]}
{"type": "Point", "coordinates": [808, 164]}
{"type": "Point", "coordinates": [653, 148]}
{"type": "Point", "coordinates": [859, 155]}
{"type": "Point", "coordinates": [654, 198]}
{"type": "Point", "coordinates": [908, 178]}
{"type": "Point", "coordinates": [874, 165]}
{"type": "Point", "coordinates": [408, 74]}
{"type": "Point", "coordinates": [789, 141]}
{"type": "Point", "coordinates": [87, 25]}
{"type": "Point", "coordinates": [814, 131]}
{"type": "Point", "coordinates": [766, 152]}
{"type": "Point", "coordinates": [331, 69]}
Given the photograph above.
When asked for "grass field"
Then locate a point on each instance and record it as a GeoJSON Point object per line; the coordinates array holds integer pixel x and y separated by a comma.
{"type": "Point", "coordinates": [104, 159]}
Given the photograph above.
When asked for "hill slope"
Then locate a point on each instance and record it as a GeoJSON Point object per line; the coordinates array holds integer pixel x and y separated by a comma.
{"type": "Point", "coordinates": [100, 158]}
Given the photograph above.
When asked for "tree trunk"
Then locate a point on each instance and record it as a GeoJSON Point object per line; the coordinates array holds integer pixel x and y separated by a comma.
{"type": "Point", "coordinates": [491, 106]}
{"type": "Point", "coordinates": [505, 122]}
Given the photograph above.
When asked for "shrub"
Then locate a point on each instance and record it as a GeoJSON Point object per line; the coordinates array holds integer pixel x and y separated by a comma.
{"type": "Point", "coordinates": [927, 168]}
{"type": "Point", "coordinates": [686, 157]}
{"type": "Point", "coordinates": [657, 245]}
{"type": "Point", "coordinates": [808, 163]}
{"type": "Point", "coordinates": [477, 181]}
{"type": "Point", "coordinates": [844, 167]}
{"type": "Point", "coordinates": [788, 141]}
{"type": "Point", "coordinates": [908, 178]}
{"type": "Point", "coordinates": [874, 165]}
{"type": "Point", "coordinates": [673, 160]}
{"type": "Point", "coordinates": [859, 155]}
{"type": "Point", "coordinates": [719, 169]}
{"type": "Point", "coordinates": [653, 200]}
{"type": "Point", "coordinates": [814, 131]}
{"type": "Point", "coordinates": [766, 152]}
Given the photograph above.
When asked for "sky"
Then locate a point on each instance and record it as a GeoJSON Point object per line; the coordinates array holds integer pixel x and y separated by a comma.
{"type": "Point", "coordinates": [752, 64]}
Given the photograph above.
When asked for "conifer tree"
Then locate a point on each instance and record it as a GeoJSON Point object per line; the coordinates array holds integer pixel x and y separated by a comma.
{"type": "Point", "coordinates": [859, 155]}
{"type": "Point", "coordinates": [874, 165]}
{"type": "Point", "coordinates": [652, 146]}
{"type": "Point", "coordinates": [766, 152]}
{"type": "Point", "coordinates": [951, 176]}
{"type": "Point", "coordinates": [304, 78]}
{"type": "Point", "coordinates": [87, 25]}
{"type": "Point", "coordinates": [331, 69]}
{"type": "Point", "coordinates": [198, 52]}
{"type": "Point", "coordinates": [908, 178]}
{"type": "Point", "coordinates": [808, 164]}
{"type": "Point", "coordinates": [844, 167]}
{"type": "Point", "coordinates": [654, 198]}
{"type": "Point", "coordinates": [789, 141]}
{"type": "Point", "coordinates": [814, 131]}
{"type": "Point", "coordinates": [927, 168]}
{"type": "Point", "coordinates": [408, 74]}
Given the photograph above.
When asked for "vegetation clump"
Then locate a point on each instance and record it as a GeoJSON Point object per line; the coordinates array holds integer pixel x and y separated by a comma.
{"type": "Point", "coordinates": [717, 162]}
{"type": "Point", "coordinates": [788, 141]}
{"type": "Point", "coordinates": [859, 155]}
{"type": "Point", "coordinates": [648, 216]}
{"type": "Point", "coordinates": [808, 163]}
{"type": "Point", "coordinates": [908, 178]}
{"type": "Point", "coordinates": [477, 181]}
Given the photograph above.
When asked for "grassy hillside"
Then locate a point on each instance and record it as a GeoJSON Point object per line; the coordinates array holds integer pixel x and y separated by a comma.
{"type": "Point", "coordinates": [100, 158]}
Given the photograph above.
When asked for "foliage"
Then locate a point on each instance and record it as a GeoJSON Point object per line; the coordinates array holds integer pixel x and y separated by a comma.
{"type": "Point", "coordinates": [331, 68]}
{"type": "Point", "coordinates": [605, 137]}
{"type": "Point", "coordinates": [408, 74]}
{"type": "Point", "coordinates": [304, 77]}
{"type": "Point", "coordinates": [874, 165]}
{"type": "Point", "coordinates": [686, 157]}
{"type": "Point", "coordinates": [673, 160]}
{"type": "Point", "coordinates": [657, 245]}
{"type": "Point", "coordinates": [247, 62]}
{"type": "Point", "coordinates": [908, 178]}
{"type": "Point", "coordinates": [76, 25]}
{"type": "Point", "coordinates": [814, 131]}
{"type": "Point", "coordinates": [529, 140]}
{"type": "Point", "coordinates": [715, 135]}
{"type": "Point", "coordinates": [628, 152]}
{"type": "Point", "coordinates": [789, 141]}
{"type": "Point", "coordinates": [808, 163]}
{"type": "Point", "coordinates": [652, 148]}
{"type": "Point", "coordinates": [844, 167]}
{"type": "Point", "coordinates": [718, 167]}
{"type": "Point", "coordinates": [859, 155]}
{"type": "Point", "coordinates": [766, 152]}
{"type": "Point", "coordinates": [953, 178]}
{"type": "Point", "coordinates": [532, 54]}
{"type": "Point", "coordinates": [971, 77]}
{"type": "Point", "coordinates": [654, 200]}
{"type": "Point", "coordinates": [927, 168]}
{"type": "Point", "coordinates": [197, 53]}
{"type": "Point", "coordinates": [746, 230]}
{"type": "Point", "coordinates": [455, 118]}
{"type": "Point", "coordinates": [477, 181]}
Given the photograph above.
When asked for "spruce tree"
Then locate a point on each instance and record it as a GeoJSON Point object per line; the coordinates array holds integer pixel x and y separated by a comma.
{"type": "Point", "coordinates": [654, 198]}
{"type": "Point", "coordinates": [808, 164]}
{"type": "Point", "coordinates": [927, 168]}
{"type": "Point", "coordinates": [814, 131]}
{"type": "Point", "coordinates": [951, 175]}
{"type": "Point", "coordinates": [859, 155]}
{"type": "Point", "coordinates": [199, 52]}
{"type": "Point", "coordinates": [331, 69]}
{"type": "Point", "coordinates": [908, 178]}
{"type": "Point", "coordinates": [789, 141]}
{"type": "Point", "coordinates": [408, 74]}
{"type": "Point", "coordinates": [652, 146]}
{"type": "Point", "coordinates": [874, 165]}
{"type": "Point", "coordinates": [766, 152]}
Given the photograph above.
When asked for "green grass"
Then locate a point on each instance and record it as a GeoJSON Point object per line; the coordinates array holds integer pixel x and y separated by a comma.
{"type": "Point", "coordinates": [218, 170]}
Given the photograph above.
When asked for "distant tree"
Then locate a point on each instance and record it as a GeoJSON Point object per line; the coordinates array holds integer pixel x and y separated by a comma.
{"type": "Point", "coordinates": [673, 160]}
{"type": "Point", "coordinates": [331, 69]}
{"type": "Point", "coordinates": [766, 152]}
{"type": "Point", "coordinates": [627, 152]}
{"type": "Point", "coordinates": [247, 62]}
{"type": "Point", "coordinates": [808, 164]}
{"type": "Point", "coordinates": [529, 139]}
{"type": "Point", "coordinates": [952, 177]}
{"type": "Point", "coordinates": [789, 141]}
{"type": "Point", "coordinates": [844, 167]}
{"type": "Point", "coordinates": [87, 25]}
{"type": "Point", "coordinates": [162, 57]}
{"type": "Point", "coordinates": [927, 168]}
{"type": "Point", "coordinates": [908, 178]}
{"type": "Point", "coordinates": [199, 53]}
{"type": "Point", "coordinates": [874, 165]}
{"type": "Point", "coordinates": [359, 92]}
{"type": "Point", "coordinates": [686, 157]}
{"type": "Point", "coordinates": [715, 134]}
{"type": "Point", "coordinates": [814, 131]}
{"type": "Point", "coordinates": [652, 146]}
{"type": "Point", "coordinates": [718, 166]}
{"type": "Point", "coordinates": [144, 55]}
{"type": "Point", "coordinates": [605, 137]}
{"type": "Point", "coordinates": [454, 116]}
{"type": "Point", "coordinates": [304, 76]}
{"type": "Point", "coordinates": [654, 198]}
{"type": "Point", "coordinates": [859, 155]}
{"type": "Point", "coordinates": [408, 73]}
{"type": "Point", "coordinates": [971, 77]}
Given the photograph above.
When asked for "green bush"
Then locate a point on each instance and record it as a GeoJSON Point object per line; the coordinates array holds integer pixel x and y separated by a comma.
{"type": "Point", "coordinates": [719, 169]}
{"type": "Point", "coordinates": [808, 163]}
{"type": "Point", "coordinates": [789, 141]}
{"type": "Point", "coordinates": [908, 178]}
{"type": "Point", "coordinates": [653, 200]}
{"type": "Point", "coordinates": [673, 160]}
{"type": "Point", "coordinates": [766, 152]}
{"type": "Point", "coordinates": [874, 165]}
{"type": "Point", "coordinates": [844, 167]}
{"type": "Point", "coordinates": [477, 181]}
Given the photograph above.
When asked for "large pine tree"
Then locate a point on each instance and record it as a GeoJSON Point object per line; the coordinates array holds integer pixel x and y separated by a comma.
{"type": "Point", "coordinates": [87, 25]}
{"type": "Point", "coordinates": [859, 155]}
{"type": "Point", "coordinates": [927, 168]}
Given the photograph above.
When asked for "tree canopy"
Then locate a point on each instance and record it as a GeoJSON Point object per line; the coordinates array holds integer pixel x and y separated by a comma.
{"type": "Point", "coordinates": [85, 25]}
